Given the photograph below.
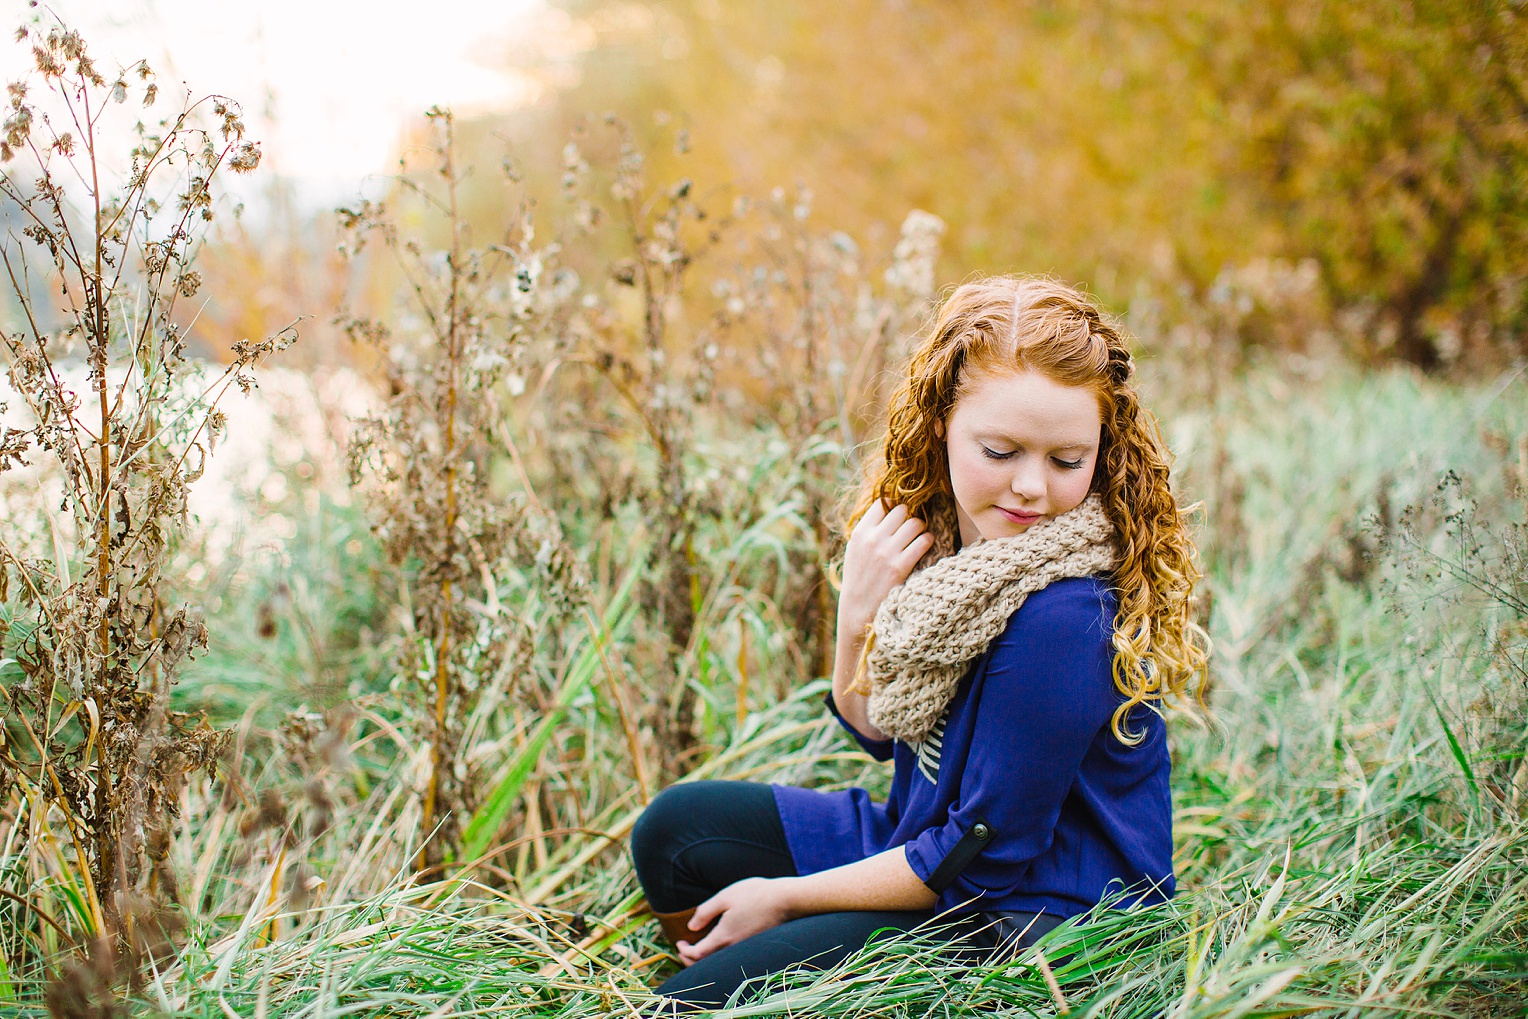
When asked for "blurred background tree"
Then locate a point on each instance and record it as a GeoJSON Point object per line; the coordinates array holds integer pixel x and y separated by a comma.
{"type": "Point", "coordinates": [1390, 142]}
{"type": "Point", "coordinates": [1143, 146]}
{"type": "Point", "coordinates": [1342, 174]}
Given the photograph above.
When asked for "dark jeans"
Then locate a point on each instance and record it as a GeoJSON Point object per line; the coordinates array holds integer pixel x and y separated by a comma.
{"type": "Point", "coordinates": [697, 838]}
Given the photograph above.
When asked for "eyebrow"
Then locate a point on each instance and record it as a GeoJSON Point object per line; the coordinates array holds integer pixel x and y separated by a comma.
{"type": "Point", "coordinates": [1000, 436]}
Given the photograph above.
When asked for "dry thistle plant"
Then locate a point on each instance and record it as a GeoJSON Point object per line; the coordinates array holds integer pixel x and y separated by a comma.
{"type": "Point", "coordinates": [658, 373]}
{"type": "Point", "coordinates": [424, 464]}
{"type": "Point", "coordinates": [821, 339]}
{"type": "Point", "coordinates": [99, 263]}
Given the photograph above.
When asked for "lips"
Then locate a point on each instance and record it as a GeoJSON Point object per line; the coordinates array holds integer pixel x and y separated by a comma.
{"type": "Point", "coordinates": [1022, 519]}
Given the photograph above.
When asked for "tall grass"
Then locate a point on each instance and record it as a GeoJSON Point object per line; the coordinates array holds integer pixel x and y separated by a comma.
{"type": "Point", "coordinates": [1349, 837]}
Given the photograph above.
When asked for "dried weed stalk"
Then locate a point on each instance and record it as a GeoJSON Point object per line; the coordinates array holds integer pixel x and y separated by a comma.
{"type": "Point", "coordinates": [1477, 552]}
{"type": "Point", "coordinates": [99, 263]}
{"type": "Point", "coordinates": [658, 373]}
{"type": "Point", "coordinates": [425, 465]}
{"type": "Point", "coordinates": [597, 385]}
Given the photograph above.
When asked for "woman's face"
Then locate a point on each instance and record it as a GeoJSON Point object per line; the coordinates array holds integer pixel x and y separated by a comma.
{"type": "Point", "coordinates": [1022, 449]}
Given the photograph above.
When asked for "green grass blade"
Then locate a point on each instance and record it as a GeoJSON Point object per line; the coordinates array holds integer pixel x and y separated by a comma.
{"type": "Point", "coordinates": [7, 988]}
{"type": "Point", "coordinates": [1453, 742]}
{"type": "Point", "coordinates": [489, 818]}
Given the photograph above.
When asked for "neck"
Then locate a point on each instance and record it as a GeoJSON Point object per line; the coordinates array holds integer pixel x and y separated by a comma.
{"type": "Point", "coordinates": [969, 535]}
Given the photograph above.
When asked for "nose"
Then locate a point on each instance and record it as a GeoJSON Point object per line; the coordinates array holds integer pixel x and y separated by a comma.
{"type": "Point", "coordinates": [1029, 479]}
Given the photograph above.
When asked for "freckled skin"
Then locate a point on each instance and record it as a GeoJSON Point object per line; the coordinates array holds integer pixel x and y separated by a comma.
{"type": "Point", "coordinates": [1021, 443]}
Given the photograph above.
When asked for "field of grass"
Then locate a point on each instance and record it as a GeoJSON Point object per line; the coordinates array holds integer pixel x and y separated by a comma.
{"type": "Point", "coordinates": [368, 737]}
{"type": "Point", "coordinates": [1350, 834]}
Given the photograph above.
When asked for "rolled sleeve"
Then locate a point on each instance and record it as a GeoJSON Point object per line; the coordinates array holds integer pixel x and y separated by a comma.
{"type": "Point", "coordinates": [880, 749]}
{"type": "Point", "coordinates": [1047, 693]}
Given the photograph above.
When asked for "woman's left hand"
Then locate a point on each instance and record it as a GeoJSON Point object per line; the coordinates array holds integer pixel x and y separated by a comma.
{"type": "Point", "coordinates": [745, 907]}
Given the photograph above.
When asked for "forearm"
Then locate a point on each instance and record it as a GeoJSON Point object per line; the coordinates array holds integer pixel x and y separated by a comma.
{"type": "Point", "coordinates": [744, 908]}
{"type": "Point", "coordinates": [881, 882]}
{"type": "Point", "coordinates": [852, 706]}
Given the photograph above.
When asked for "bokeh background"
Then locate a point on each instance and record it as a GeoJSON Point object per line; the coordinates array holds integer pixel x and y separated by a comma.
{"type": "Point", "coordinates": [1354, 169]}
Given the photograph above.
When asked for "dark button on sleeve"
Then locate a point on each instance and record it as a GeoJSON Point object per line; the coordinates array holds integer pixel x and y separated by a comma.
{"type": "Point", "coordinates": [968, 848]}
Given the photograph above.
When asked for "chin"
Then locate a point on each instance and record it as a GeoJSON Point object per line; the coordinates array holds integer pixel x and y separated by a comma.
{"type": "Point", "coordinates": [1004, 529]}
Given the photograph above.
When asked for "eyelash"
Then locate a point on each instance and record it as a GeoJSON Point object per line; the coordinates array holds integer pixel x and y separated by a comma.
{"type": "Point", "coordinates": [1067, 465]}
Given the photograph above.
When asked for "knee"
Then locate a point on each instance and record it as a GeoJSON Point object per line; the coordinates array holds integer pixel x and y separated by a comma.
{"type": "Point", "coordinates": [660, 832]}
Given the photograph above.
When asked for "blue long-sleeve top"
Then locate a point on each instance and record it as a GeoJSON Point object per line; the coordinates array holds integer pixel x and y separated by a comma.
{"type": "Point", "coordinates": [1026, 759]}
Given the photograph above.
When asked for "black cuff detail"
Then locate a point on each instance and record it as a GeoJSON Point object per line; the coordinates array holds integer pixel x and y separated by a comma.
{"type": "Point", "coordinates": [958, 859]}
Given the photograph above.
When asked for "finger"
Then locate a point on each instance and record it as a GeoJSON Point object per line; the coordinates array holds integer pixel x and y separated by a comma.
{"type": "Point", "coordinates": [875, 512]}
{"type": "Point", "coordinates": [910, 529]}
{"type": "Point", "coordinates": [706, 912]}
{"type": "Point", "coordinates": [691, 954]}
{"type": "Point", "coordinates": [915, 550]}
{"type": "Point", "coordinates": [706, 945]}
{"type": "Point", "coordinates": [895, 516]}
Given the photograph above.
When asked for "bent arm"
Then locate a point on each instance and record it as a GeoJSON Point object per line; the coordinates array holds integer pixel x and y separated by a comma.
{"type": "Point", "coordinates": [882, 550]}
{"type": "Point", "coordinates": [884, 881]}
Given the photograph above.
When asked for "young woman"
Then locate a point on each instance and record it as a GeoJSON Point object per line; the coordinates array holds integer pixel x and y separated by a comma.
{"type": "Point", "coordinates": [1014, 612]}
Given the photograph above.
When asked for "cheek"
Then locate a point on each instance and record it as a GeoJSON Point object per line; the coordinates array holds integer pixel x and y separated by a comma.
{"type": "Point", "coordinates": [973, 476]}
{"type": "Point", "coordinates": [1071, 488]}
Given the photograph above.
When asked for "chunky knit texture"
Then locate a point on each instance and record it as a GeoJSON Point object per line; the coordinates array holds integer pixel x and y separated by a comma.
{"type": "Point", "coordinates": [930, 629]}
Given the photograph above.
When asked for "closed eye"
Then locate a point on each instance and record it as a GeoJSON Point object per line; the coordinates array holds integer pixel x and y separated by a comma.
{"type": "Point", "coordinates": [1070, 465]}
{"type": "Point", "coordinates": [992, 454]}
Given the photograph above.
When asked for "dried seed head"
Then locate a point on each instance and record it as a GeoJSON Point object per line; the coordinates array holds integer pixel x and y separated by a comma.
{"type": "Point", "coordinates": [18, 127]}
{"type": "Point", "coordinates": [272, 809]}
{"type": "Point", "coordinates": [323, 808]}
{"type": "Point", "coordinates": [246, 156]}
{"type": "Point", "coordinates": [265, 622]}
{"type": "Point", "coordinates": [317, 794]}
{"type": "Point", "coordinates": [78, 993]}
{"type": "Point", "coordinates": [271, 813]}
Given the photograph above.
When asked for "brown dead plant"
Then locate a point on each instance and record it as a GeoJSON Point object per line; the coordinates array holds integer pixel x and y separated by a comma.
{"type": "Point", "coordinates": [111, 422]}
{"type": "Point", "coordinates": [424, 462]}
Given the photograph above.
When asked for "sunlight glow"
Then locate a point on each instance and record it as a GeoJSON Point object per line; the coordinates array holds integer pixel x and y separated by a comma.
{"type": "Point", "coordinates": [326, 85]}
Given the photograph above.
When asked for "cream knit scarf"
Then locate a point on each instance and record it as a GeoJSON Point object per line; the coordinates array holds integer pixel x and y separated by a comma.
{"type": "Point", "coordinates": [930, 629]}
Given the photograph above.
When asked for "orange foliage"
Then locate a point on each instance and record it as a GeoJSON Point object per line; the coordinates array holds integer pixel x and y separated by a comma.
{"type": "Point", "coordinates": [1129, 143]}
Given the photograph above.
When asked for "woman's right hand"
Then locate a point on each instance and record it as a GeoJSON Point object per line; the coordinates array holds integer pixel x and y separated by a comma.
{"type": "Point", "coordinates": [882, 550]}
